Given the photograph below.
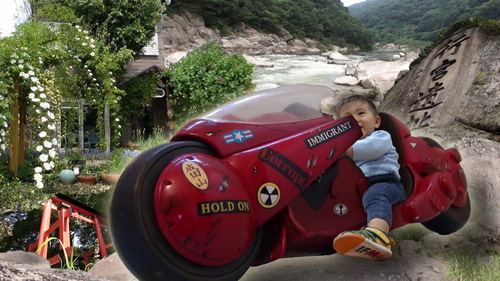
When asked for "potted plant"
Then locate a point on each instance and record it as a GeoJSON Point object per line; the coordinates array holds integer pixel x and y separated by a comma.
{"type": "Point", "coordinates": [115, 166]}
{"type": "Point", "coordinates": [89, 174]}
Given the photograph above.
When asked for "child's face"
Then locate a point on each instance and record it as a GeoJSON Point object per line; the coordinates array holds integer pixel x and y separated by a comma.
{"type": "Point", "coordinates": [360, 110]}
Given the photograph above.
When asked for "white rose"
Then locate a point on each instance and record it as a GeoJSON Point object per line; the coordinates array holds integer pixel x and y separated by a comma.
{"type": "Point", "coordinates": [31, 95]}
{"type": "Point", "coordinates": [39, 184]}
{"type": "Point", "coordinates": [39, 148]}
{"type": "Point", "coordinates": [38, 169]}
{"type": "Point", "coordinates": [42, 134]}
{"type": "Point", "coordinates": [38, 177]}
{"type": "Point", "coordinates": [44, 119]}
{"type": "Point", "coordinates": [44, 157]}
{"type": "Point", "coordinates": [47, 144]}
{"type": "Point", "coordinates": [51, 115]}
{"type": "Point", "coordinates": [46, 166]}
{"type": "Point", "coordinates": [52, 153]}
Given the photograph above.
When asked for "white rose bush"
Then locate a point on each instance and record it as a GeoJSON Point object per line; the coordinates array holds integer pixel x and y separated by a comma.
{"type": "Point", "coordinates": [41, 65]}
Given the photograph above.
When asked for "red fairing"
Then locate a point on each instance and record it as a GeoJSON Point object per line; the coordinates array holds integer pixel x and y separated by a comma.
{"type": "Point", "coordinates": [264, 177]}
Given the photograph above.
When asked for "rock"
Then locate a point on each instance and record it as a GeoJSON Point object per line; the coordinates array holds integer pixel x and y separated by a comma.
{"type": "Point", "coordinates": [368, 83]}
{"type": "Point", "coordinates": [29, 260]}
{"type": "Point", "coordinates": [256, 62]}
{"type": "Point", "coordinates": [338, 267]}
{"type": "Point", "coordinates": [453, 96]}
{"type": "Point", "coordinates": [456, 83]}
{"type": "Point", "coordinates": [481, 163]}
{"type": "Point", "coordinates": [113, 269]}
{"type": "Point", "coordinates": [175, 57]}
{"type": "Point", "coordinates": [23, 270]}
{"type": "Point", "coordinates": [337, 56]}
{"type": "Point", "coordinates": [410, 247]}
{"type": "Point", "coordinates": [367, 69]}
{"type": "Point", "coordinates": [346, 80]}
{"type": "Point", "coordinates": [350, 70]}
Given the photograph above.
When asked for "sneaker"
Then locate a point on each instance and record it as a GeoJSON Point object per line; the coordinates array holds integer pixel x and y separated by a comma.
{"type": "Point", "coordinates": [369, 242]}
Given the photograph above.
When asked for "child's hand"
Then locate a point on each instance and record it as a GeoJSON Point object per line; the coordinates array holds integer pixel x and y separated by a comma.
{"type": "Point", "coordinates": [349, 152]}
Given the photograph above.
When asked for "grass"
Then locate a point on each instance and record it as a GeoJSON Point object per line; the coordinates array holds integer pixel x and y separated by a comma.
{"type": "Point", "coordinates": [469, 261]}
{"type": "Point", "coordinates": [471, 264]}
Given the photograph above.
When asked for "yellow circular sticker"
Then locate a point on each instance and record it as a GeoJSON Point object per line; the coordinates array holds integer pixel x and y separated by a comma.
{"type": "Point", "coordinates": [268, 195]}
{"type": "Point", "coordinates": [195, 175]}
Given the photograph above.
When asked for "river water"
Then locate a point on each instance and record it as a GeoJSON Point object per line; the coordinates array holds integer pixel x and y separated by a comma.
{"type": "Point", "coordinates": [308, 69]}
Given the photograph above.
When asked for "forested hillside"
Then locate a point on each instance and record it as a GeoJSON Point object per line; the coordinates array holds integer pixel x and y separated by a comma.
{"type": "Point", "coordinates": [327, 21]}
{"type": "Point", "coordinates": [402, 21]}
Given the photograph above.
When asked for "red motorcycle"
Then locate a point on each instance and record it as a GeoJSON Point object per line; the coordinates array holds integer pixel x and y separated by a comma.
{"type": "Point", "coordinates": [265, 177]}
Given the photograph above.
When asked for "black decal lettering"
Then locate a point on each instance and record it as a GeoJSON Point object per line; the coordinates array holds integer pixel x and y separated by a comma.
{"type": "Point", "coordinates": [223, 207]}
{"type": "Point", "coordinates": [286, 167]}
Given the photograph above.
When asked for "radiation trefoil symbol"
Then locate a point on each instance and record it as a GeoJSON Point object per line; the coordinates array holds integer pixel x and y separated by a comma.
{"type": "Point", "coordinates": [268, 195]}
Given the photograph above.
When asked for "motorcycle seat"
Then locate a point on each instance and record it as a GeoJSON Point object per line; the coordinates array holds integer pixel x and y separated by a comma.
{"type": "Point", "coordinates": [389, 125]}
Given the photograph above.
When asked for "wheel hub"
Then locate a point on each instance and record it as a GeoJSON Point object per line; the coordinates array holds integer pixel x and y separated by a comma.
{"type": "Point", "coordinates": [203, 210]}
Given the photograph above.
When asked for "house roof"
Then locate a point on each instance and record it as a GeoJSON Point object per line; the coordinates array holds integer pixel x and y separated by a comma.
{"type": "Point", "coordinates": [141, 66]}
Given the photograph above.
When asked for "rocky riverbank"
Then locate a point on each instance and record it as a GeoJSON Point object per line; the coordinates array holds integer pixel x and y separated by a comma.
{"type": "Point", "coordinates": [181, 34]}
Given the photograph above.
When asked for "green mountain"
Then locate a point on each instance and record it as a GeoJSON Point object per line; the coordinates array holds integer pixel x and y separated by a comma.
{"type": "Point", "coordinates": [403, 21]}
{"type": "Point", "coordinates": [327, 21]}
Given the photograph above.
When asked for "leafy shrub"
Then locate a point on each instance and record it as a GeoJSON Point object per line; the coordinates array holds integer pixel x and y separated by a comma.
{"type": "Point", "coordinates": [207, 77]}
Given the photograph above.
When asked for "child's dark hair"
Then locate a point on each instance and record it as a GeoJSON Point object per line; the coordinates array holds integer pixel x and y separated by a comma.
{"type": "Point", "coordinates": [353, 98]}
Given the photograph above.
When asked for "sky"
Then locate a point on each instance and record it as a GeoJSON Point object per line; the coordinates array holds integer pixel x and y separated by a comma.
{"type": "Point", "coordinates": [351, 2]}
{"type": "Point", "coordinates": [9, 15]}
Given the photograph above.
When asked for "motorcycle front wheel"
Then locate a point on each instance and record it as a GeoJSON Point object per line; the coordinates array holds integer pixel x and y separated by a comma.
{"type": "Point", "coordinates": [137, 236]}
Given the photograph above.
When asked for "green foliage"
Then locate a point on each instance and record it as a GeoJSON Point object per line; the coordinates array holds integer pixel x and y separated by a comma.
{"type": "Point", "coordinates": [394, 21]}
{"type": "Point", "coordinates": [490, 27]}
{"type": "Point", "coordinates": [118, 24]}
{"type": "Point", "coordinates": [139, 92]}
{"type": "Point", "coordinates": [327, 21]}
{"type": "Point", "coordinates": [207, 77]}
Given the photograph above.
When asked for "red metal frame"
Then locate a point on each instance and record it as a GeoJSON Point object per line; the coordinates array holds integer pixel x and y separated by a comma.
{"type": "Point", "coordinates": [66, 209]}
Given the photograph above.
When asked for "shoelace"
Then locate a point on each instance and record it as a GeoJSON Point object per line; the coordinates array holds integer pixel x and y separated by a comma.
{"type": "Point", "coordinates": [373, 233]}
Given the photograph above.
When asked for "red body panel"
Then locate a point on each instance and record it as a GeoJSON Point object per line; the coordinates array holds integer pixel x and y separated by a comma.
{"type": "Point", "coordinates": [296, 172]}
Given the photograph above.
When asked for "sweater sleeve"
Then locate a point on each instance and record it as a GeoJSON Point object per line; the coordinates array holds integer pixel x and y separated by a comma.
{"type": "Point", "coordinates": [372, 147]}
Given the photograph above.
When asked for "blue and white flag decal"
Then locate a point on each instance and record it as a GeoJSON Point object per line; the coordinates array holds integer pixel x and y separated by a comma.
{"type": "Point", "coordinates": [238, 136]}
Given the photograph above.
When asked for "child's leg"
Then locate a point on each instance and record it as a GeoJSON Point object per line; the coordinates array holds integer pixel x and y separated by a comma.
{"type": "Point", "coordinates": [378, 201]}
{"type": "Point", "coordinates": [380, 224]}
{"type": "Point", "coordinates": [373, 242]}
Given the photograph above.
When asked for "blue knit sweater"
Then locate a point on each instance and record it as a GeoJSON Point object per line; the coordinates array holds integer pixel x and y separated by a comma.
{"type": "Point", "coordinates": [375, 155]}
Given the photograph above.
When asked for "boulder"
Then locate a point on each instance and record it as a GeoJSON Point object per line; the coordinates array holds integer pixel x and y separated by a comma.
{"type": "Point", "coordinates": [256, 62]}
{"type": "Point", "coordinates": [175, 57]}
{"type": "Point", "coordinates": [112, 268]}
{"type": "Point", "coordinates": [350, 70]}
{"type": "Point", "coordinates": [29, 260]}
{"type": "Point", "coordinates": [346, 80]}
{"type": "Point", "coordinates": [457, 82]}
{"type": "Point", "coordinates": [337, 56]}
{"type": "Point", "coordinates": [368, 83]}
{"type": "Point", "coordinates": [453, 96]}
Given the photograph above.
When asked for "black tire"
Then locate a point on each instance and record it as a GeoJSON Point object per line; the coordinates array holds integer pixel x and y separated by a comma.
{"type": "Point", "coordinates": [136, 235]}
{"type": "Point", "coordinates": [450, 220]}
{"type": "Point", "coordinates": [453, 218]}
